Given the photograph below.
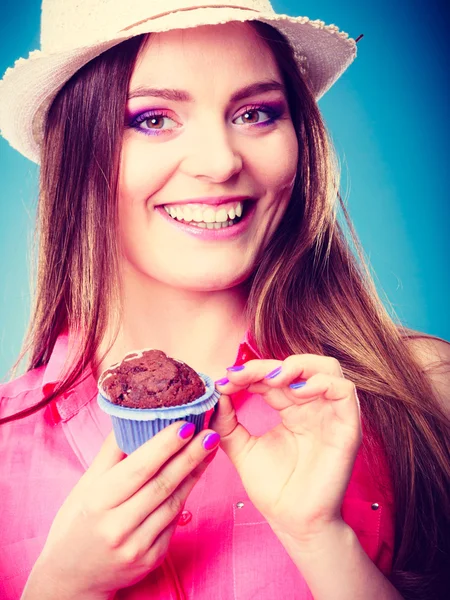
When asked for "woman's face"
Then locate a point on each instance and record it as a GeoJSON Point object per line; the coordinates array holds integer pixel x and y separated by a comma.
{"type": "Point", "coordinates": [206, 170]}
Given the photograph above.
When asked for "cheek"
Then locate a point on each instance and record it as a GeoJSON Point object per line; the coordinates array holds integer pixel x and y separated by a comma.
{"type": "Point", "coordinates": [279, 174]}
{"type": "Point", "coordinates": [278, 167]}
{"type": "Point", "coordinates": [136, 185]}
{"type": "Point", "coordinates": [285, 162]}
{"type": "Point", "coordinates": [143, 171]}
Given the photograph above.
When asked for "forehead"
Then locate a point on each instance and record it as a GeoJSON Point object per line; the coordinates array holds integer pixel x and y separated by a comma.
{"type": "Point", "coordinates": [230, 53]}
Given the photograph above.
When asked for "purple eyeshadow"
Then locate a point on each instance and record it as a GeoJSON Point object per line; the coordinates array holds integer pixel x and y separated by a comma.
{"type": "Point", "coordinates": [273, 109]}
{"type": "Point", "coordinates": [133, 119]}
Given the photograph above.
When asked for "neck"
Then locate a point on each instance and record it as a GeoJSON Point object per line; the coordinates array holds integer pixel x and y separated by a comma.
{"type": "Point", "coordinates": [203, 329]}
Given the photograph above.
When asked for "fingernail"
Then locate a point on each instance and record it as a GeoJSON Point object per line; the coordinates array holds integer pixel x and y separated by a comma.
{"type": "Point", "coordinates": [211, 441]}
{"type": "Point", "coordinates": [236, 368]}
{"type": "Point", "coordinates": [296, 386]}
{"type": "Point", "coordinates": [273, 373]}
{"type": "Point", "coordinates": [186, 431]}
{"type": "Point", "coordinates": [223, 381]}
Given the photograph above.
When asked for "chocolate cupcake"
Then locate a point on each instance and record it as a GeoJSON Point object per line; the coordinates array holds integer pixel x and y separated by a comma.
{"type": "Point", "coordinates": [152, 380]}
{"type": "Point", "coordinates": [148, 390]}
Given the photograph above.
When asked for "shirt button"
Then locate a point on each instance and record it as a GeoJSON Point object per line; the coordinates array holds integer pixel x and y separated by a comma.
{"type": "Point", "coordinates": [185, 517]}
{"type": "Point", "coordinates": [240, 505]}
{"type": "Point", "coordinates": [375, 506]}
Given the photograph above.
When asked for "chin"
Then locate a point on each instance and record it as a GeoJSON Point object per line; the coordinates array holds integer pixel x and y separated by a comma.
{"type": "Point", "coordinates": [209, 283]}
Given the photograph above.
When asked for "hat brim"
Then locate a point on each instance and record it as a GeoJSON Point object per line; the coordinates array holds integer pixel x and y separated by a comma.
{"type": "Point", "coordinates": [28, 89]}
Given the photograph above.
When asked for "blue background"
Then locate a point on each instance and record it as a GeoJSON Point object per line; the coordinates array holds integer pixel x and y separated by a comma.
{"type": "Point", "coordinates": [389, 119]}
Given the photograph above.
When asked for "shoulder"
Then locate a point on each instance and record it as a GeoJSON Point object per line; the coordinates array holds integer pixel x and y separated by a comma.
{"type": "Point", "coordinates": [21, 392]}
{"type": "Point", "coordinates": [432, 354]}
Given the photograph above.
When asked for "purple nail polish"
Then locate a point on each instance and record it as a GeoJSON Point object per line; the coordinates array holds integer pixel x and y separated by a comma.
{"type": "Point", "coordinates": [273, 373]}
{"type": "Point", "coordinates": [296, 386]}
{"type": "Point", "coordinates": [236, 368]}
{"type": "Point", "coordinates": [223, 381]}
{"type": "Point", "coordinates": [211, 441]}
{"type": "Point", "coordinates": [186, 431]}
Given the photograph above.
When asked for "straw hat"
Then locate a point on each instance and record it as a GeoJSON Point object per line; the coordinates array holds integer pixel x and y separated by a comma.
{"type": "Point", "coordinates": [75, 31]}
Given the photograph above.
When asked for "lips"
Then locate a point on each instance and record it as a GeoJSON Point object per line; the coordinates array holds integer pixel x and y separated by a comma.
{"type": "Point", "coordinates": [213, 231]}
{"type": "Point", "coordinates": [210, 200]}
{"type": "Point", "coordinates": [204, 213]}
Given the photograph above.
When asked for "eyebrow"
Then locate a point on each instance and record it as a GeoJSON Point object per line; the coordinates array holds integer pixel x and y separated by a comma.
{"type": "Point", "coordinates": [183, 96]}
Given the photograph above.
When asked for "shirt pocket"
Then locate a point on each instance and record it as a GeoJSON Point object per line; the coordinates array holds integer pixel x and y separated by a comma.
{"type": "Point", "coordinates": [16, 561]}
{"type": "Point", "coordinates": [373, 524]}
{"type": "Point", "coordinates": [262, 569]}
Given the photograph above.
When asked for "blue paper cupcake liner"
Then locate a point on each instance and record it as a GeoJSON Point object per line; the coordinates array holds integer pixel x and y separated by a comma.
{"type": "Point", "coordinates": [133, 426]}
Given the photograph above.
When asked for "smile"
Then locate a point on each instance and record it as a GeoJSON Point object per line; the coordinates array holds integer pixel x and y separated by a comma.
{"type": "Point", "coordinates": [225, 221]}
{"type": "Point", "coordinates": [207, 217]}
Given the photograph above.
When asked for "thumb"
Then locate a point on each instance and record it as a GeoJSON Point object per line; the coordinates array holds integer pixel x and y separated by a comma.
{"type": "Point", "coordinates": [109, 455]}
{"type": "Point", "coordinates": [234, 437]}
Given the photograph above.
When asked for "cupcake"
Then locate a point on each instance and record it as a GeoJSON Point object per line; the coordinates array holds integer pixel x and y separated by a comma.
{"type": "Point", "coordinates": [148, 391]}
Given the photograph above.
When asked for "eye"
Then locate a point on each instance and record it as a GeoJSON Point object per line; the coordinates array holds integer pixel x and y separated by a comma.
{"type": "Point", "coordinates": [152, 122]}
{"type": "Point", "coordinates": [251, 116]}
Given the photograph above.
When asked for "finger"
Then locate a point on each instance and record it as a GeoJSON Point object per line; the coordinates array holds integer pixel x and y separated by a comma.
{"type": "Point", "coordinates": [247, 377]}
{"type": "Point", "coordinates": [147, 552]}
{"type": "Point", "coordinates": [157, 552]}
{"type": "Point", "coordinates": [149, 529]}
{"type": "Point", "coordinates": [108, 456]}
{"type": "Point", "coordinates": [274, 397]}
{"type": "Point", "coordinates": [134, 471]}
{"type": "Point", "coordinates": [229, 388]}
{"type": "Point", "coordinates": [341, 392]}
{"type": "Point", "coordinates": [304, 366]}
{"type": "Point", "coordinates": [327, 386]}
{"type": "Point", "coordinates": [164, 483]}
{"type": "Point", "coordinates": [269, 373]}
{"type": "Point", "coordinates": [235, 440]}
{"type": "Point", "coordinates": [252, 371]}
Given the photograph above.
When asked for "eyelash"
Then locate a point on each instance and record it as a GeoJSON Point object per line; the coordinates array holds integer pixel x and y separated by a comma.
{"type": "Point", "coordinates": [135, 122]}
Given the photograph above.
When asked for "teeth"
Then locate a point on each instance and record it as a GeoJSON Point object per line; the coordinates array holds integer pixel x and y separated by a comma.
{"type": "Point", "coordinates": [213, 225]}
{"type": "Point", "coordinates": [198, 213]}
{"type": "Point", "coordinates": [187, 212]}
{"type": "Point", "coordinates": [209, 216]}
{"type": "Point", "coordinates": [221, 216]}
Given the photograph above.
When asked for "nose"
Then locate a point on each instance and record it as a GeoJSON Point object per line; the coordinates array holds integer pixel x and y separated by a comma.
{"type": "Point", "coordinates": [212, 155]}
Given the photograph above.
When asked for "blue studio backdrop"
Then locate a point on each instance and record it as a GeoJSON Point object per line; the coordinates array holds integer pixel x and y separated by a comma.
{"type": "Point", "coordinates": [389, 119]}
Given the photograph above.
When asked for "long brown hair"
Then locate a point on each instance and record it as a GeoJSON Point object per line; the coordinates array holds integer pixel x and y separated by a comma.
{"type": "Point", "coordinates": [320, 290]}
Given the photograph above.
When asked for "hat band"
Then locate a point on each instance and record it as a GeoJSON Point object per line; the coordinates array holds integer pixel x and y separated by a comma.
{"type": "Point", "coordinates": [70, 24]}
{"type": "Point", "coordinates": [169, 12]}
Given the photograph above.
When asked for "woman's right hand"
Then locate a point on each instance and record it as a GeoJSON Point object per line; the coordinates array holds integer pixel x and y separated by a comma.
{"type": "Point", "coordinates": [116, 524]}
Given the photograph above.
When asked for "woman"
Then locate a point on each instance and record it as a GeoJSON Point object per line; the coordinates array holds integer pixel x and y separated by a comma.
{"type": "Point", "coordinates": [326, 496]}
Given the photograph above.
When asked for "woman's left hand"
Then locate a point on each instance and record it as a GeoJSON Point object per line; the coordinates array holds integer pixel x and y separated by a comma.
{"type": "Point", "coordinates": [296, 474]}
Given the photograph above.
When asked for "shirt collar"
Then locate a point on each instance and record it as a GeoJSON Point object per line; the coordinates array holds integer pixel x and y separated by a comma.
{"type": "Point", "coordinates": [66, 405]}
{"type": "Point", "coordinates": [55, 365]}
{"type": "Point", "coordinates": [247, 350]}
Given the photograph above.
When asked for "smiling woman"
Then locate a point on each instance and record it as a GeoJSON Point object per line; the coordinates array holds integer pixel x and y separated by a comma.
{"type": "Point", "coordinates": [189, 196]}
{"type": "Point", "coordinates": [197, 141]}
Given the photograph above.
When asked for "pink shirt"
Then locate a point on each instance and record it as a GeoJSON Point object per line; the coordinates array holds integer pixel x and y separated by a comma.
{"type": "Point", "coordinates": [223, 548]}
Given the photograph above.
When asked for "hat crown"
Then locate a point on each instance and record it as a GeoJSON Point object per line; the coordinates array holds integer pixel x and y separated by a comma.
{"type": "Point", "coordinates": [74, 23]}
{"type": "Point", "coordinates": [73, 32]}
